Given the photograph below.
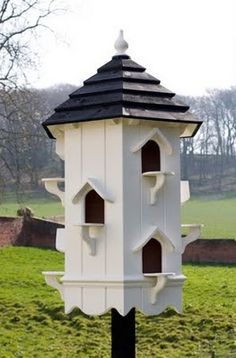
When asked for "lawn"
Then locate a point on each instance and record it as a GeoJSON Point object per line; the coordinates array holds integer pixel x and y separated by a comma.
{"type": "Point", "coordinates": [33, 323]}
{"type": "Point", "coordinates": [41, 207]}
{"type": "Point", "coordinates": [217, 215]}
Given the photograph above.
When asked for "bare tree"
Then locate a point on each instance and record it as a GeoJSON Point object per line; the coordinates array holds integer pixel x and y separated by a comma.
{"type": "Point", "coordinates": [213, 156]}
{"type": "Point", "coordinates": [20, 132]}
{"type": "Point", "coordinates": [19, 19]}
{"type": "Point", "coordinates": [26, 153]}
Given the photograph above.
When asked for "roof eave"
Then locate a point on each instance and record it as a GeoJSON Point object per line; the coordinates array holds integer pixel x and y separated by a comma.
{"type": "Point", "coordinates": [189, 132]}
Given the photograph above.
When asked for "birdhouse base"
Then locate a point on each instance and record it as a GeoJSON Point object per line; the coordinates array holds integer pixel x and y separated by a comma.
{"type": "Point", "coordinates": [96, 296]}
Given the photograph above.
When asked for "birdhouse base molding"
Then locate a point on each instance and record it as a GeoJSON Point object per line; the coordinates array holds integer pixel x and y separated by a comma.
{"type": "Point", "coordinates": [96, 296]}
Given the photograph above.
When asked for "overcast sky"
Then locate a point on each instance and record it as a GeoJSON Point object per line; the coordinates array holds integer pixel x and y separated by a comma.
{"type": "Point", "coordinates": [190, 45]}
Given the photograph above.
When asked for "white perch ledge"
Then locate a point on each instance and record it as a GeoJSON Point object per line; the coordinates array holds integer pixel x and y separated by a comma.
{"type": "Point", "coordinates": [161, 281]}
{"type": "Point", "coordinates": [52, 279]}
{"type": "Point", "coordinates": [89, 233]}
{"type": "Point", "coordinates": [184, 191]}
{"type": "Point", "coordinates": [60, 240]}
{"type": "Point", "coordinates": [160, 180]}
{"type": "Point", "coordinates": [51, 185]}
{"type": "Point", "coordinates": [193, 234]}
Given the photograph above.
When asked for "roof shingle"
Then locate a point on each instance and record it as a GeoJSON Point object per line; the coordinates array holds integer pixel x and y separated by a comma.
{"type": "Point", "coordinates": [122, 88]}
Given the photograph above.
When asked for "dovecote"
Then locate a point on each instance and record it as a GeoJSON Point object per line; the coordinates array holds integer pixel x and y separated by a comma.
{"type": "Point", "coordinates": [119, 136]}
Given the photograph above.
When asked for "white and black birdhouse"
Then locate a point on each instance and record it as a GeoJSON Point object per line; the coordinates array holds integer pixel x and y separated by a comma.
{"type": "Point", "coordinates": [119, 136]}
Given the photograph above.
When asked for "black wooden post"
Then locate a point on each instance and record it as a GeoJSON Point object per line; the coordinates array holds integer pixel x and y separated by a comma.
{"type": "Point", "coordinates": [123, 334]}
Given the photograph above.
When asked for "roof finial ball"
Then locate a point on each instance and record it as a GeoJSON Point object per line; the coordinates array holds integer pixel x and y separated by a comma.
{"type": "Point", "coordinates": [121, 45]}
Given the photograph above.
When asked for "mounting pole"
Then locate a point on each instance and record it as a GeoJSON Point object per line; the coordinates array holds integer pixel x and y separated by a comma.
{"type": "Point", "coordinates": [123, 334]}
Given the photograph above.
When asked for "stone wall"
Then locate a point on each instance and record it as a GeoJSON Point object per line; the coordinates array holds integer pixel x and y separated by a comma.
{"type": "Point", "coordinates": [28, 232]}
{"type": "Point", "coordinates": [9, 230]}
{"type": "Point", "coordinates": [211, 251]}
{"type": "Point", "coordinates": [41, 233]}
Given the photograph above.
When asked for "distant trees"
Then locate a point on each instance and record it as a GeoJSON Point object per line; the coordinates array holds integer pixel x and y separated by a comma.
{"type": "Point", "coordinates": [211, 156]}
{"type": "Point", "coordinates": [26, 154]}
{"type": "Point", "coordinates": [21, 110]}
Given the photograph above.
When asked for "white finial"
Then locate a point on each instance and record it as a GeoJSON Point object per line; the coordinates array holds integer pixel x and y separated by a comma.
{"type": "Point", "coordinates": [121, 45]}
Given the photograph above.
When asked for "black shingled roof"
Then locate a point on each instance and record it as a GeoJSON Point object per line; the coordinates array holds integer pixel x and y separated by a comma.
{"type": "Point", "coordinates": [121, 88]}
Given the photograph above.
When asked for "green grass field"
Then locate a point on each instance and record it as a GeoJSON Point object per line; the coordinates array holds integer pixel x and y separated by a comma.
{"type": "Point", "coordinates": [33, 324]}
{"type": "Point", "coordinates": [217, 215]}
{"type": "Point", "coordinates": [41, 207]}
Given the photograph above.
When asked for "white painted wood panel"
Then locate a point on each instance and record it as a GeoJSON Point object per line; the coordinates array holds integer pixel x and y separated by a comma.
{"type": "Point", "coordinates": [73, 253]}
{"type": "Point", "coordinates": [94, 300]}
{"type": "Point", "coordinates": [93, 150]}
{"type": "Point", "coordinates": [73, 173]}
{"type": "Point", "coordinates": [112, 277]}
{"type": "Point", "coordinates": [114, 211]}
{"type": "Point", "coordinates": [131, 200]}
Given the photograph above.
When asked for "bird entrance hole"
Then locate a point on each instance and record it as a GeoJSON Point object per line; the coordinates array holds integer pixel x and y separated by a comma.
{"type": "Point", "coordinates": [151, 158]}
{"type": "Point", "coordinates": [152, 257]}
{"type": "Point", "coordinates": [94, 208]}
